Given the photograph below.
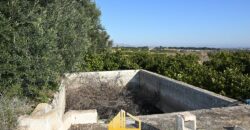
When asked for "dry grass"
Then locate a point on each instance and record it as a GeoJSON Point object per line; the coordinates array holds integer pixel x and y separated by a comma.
{"type": "Point", "coordinates": [10, 110]}
{"type": "Point", "coordinates": [108, 97]}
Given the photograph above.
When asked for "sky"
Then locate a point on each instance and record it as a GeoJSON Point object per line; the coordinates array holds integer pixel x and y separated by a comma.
{"type": "Point", "coordinates": [196, 23]}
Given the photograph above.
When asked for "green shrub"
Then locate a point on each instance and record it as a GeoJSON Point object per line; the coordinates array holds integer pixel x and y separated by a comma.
{"type": "Point", "coordinates": [10, 110]}
{"type": "Point", "coordinates": [41, 40]}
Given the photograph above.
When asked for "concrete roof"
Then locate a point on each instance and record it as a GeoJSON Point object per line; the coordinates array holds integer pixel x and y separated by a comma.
{"type": "Point", "coordinates": [207, 119]}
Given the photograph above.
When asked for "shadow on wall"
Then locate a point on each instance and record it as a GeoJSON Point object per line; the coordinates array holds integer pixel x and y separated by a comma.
{"type": "Point", "coordinates": [148, 127]}
{"type": "Point", "coordinates": [233, 128]}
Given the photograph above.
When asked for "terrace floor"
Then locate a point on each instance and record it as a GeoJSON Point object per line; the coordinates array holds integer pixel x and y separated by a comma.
{"type": "Point", "coordinates": [207, 119]}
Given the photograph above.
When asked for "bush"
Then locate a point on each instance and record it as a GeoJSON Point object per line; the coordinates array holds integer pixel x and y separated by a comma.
{"type": "Point", "coordinates": [10, 110]}
{"type": "Point", "coordinates": [39, 41]}
{"type": "Point", "coordinates": [226, 73]}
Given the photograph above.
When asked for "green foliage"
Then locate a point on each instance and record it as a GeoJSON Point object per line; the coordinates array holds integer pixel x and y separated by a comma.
{"type": "Point", "coordinates": [93, 62]}
{"type": "Point", "coordinates": [40, 40]}
{"type": "Point", "coordinates": [226, 73]}
{"type": "Point", "coordinates": [222, 60]}
{"type": "Point", "coordinates": [10, 110]}
{"type": "Point", "coordinates": [237, 85]}
{"type": "Point", "coordinates": [107, 61]}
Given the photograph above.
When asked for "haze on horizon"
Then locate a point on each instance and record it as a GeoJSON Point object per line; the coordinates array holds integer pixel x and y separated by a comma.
{"type": "Point", "coordinates": [195, 23]}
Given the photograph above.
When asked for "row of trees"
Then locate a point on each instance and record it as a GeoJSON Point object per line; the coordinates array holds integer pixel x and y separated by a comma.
{"type": "Point", "coordinates": [41, 39]}
{"type": "Point", "coordinates": [226, 73]}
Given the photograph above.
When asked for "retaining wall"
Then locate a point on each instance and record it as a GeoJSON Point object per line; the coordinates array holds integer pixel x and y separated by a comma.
{"type": "Point", "coordinates": [173, 95]}
{"type": "Point", "coordinates": [119, 78]}
{"type": "Point", "coordinates": [167, 94]}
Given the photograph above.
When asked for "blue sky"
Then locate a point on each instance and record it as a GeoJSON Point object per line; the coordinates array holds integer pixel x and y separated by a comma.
{"type": "Point", "coordinates": [210, 23]}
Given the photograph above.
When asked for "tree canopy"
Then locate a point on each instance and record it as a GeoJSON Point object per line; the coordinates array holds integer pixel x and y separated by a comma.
{"type": "Point", "coordinates": [41, 39]}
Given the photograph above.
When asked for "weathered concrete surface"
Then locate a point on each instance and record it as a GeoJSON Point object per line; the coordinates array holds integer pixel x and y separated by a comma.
{"type": "Point", "coordinates": [47, 121]}
{"type": "Point", "coordinates": [185, 121]}
{"type": "Point", "coordinates": [119, 78]}
{"type": "Point", "coordinates": [79, 117]}
{"type": "Point", "coordinates": [45, 116]}
{"type": "Point", "coordinates": [89, 127]}
{"type": "Point", "coordinates": [167, 94]}
{"type": "Point", "coordinates": [51, 116]}
{"type": "Point", "coordinates": [171, 95]}
{"type": "Point", "coordinates": [41, 109]}
{"type": "Point", "coordinates": [207, 119]}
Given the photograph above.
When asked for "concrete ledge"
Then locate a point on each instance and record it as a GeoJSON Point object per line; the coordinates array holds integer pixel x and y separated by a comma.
{"type": "Point", "coordinates": [184, 117]}
{"type": "Point", "coordinates": [51, 116]}
{"type": "Point", "coordinates": [119, 78]}
{"type": "Point", "coordinates": [46, 116]}
{"type": "Point", "coordinates": [41, 109]}
{"type": "Point", "coordinates": [206, 119]}
{"type": "Point", "coordinates": [79, 117]}
{"type": "Point", "coordinates": [48, 121]}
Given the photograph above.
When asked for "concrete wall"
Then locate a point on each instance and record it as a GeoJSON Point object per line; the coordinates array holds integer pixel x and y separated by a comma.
{"type": "Point", "coordinates": [73, 117]}
{"type": "Point", "coordinates": [46, 116]}
{"type": "Point", "coordinates": [52, 117]}
{"type": "Point", "coordinates": [172, 95]}
{"type": "Point", "coordinates": [119, 78]}
{"type": "Point", "coordinates": [105, 91]}
{"type": "Point", "coordinates": [167, 94]}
